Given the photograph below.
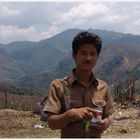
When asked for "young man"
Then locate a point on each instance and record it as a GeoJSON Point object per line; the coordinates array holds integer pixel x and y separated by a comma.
{"type": "Point", "coordinates": [72, 101]}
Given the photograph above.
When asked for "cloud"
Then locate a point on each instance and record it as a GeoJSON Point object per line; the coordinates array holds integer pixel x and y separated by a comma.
{"type": "Point", "coordinates": [39, 20]}
{"type": "Point", "coordinates": [6, 11]}
{"type": "Point", "coordinates": [136, 23]}
{"type": "Point", "coordinates": [112, 19]}
{"type": "Point", "coordinates": [79, 13]}
{"type": "Point", "coordinates": [29, 14]}
{"type": "Point", "coordinates": [87, 15]}
{"type": "Point", "coordinates": [85, 10]}
{"type": "Point", "coordinates": [11, 33]}
{"type": "Point", "coordinates": [110, 16]}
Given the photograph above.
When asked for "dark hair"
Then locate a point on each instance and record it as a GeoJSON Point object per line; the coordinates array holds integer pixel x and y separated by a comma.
{"type": "Point", "coordinates": [86, 38]}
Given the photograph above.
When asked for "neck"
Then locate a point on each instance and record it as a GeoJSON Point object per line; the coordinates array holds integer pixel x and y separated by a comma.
{"type": "Point", "coordinates": [83, 76]}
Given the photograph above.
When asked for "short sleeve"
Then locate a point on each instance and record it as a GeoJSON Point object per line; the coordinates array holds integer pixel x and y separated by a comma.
{"type": "Point", "coordinates": [53, 102]}
{"type": "Point", "coordinates": [109, 107]}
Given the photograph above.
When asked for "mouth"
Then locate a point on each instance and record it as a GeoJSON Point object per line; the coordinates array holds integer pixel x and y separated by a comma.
{"type": "Point", "coordinates": [87, 63]}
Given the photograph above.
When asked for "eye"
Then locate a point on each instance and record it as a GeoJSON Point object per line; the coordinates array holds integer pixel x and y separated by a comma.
{"type": "Point", "coordinates": [83, 53]}
{"type": "Point", "coordinates": [93, 53]}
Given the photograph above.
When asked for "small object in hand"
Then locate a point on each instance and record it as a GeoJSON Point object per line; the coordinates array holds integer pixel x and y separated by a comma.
{"type": "Point", "coordinates": [96, 120]}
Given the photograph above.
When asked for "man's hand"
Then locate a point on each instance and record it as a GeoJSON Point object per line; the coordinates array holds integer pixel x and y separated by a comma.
{"type": "Point", "coordinates": [60, 121]}
{"type": "Point", "coordinates": [82, 114]}
{"type": "Point", "coordinates": [100, 127]}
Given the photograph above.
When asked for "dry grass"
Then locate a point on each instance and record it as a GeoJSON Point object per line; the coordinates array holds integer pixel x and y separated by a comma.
{"type": "Point", "coordinates": [19, 102]}
{"type": "Point", "coordinates": [127, 126]}
{"type": "Point", "coordinates": [20, 124]}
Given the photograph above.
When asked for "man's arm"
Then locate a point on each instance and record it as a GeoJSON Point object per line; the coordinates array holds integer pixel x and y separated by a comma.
{"type": "Point", "coordinates": [60, 121]}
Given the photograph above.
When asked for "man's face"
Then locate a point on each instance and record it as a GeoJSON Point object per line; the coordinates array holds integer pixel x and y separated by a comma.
{"type": "Point", "coordinates": [86, 57]}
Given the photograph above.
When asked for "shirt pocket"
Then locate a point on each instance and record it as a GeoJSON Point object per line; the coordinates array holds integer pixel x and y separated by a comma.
{"type": "Point", "coordinates": [98, 103]}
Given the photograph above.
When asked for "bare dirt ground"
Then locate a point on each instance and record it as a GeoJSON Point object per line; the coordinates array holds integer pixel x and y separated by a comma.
{"type": "Point", "coordinates": [125, 124]}
{"type": "Point", "coordinates": [21, 124]}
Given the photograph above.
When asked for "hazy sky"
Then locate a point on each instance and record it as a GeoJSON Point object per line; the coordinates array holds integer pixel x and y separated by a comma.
{"type": "Point", "coordinates": [39, 20]}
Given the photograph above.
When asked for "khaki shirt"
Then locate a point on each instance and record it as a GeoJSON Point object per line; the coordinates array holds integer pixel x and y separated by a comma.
{"type": "Point", "coordinates": [95, 94]}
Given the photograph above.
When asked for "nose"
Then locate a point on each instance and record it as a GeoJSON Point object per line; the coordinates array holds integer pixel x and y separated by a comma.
{"type": "Point", "coordinates": [88, 57]}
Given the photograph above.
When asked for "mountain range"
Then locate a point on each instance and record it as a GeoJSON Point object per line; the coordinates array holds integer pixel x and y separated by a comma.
{"type": "Point", "coordinates": [33, 65]}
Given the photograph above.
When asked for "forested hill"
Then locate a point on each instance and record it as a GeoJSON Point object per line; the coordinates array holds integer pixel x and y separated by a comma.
{"type": "Point", "coordinates": [32, 65]}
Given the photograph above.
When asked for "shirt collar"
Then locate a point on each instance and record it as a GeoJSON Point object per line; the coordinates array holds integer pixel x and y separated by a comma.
{"type": "Point", "coordinates": [72, 78]}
